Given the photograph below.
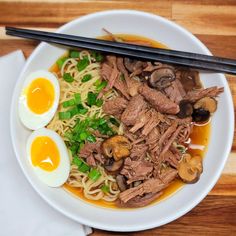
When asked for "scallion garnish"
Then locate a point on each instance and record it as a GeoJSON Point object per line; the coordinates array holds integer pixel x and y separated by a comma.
{"type": "Point", "coordinates": [86, 78]}
{"type": "Point", "coordinates": [68, 103]}
{"type": "Point", "coordinates": [82, 64]}
{"type": "Point", "coordinates": [94, 174]}
{"type": "Point", "coordinates": [61, 61]}
{"type": "Point", "coordinates": [105, 188]}
{"type": "Point", "coordinates": [74, 54]}
{"type": "Point", "coordinates": [102, 85]}
{"type": "Point", "coordinates": [68, 78]}
{"type": "Point", "coordinates": [65, 115]}
{"type": "Point", "coordinates": [77, 97]}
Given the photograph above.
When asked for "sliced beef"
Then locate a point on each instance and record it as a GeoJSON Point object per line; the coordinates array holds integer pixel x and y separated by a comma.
{"type": "Point", "coordinates": [91, 160]}
{"type": "Point", "coordinates": [139, 151]}
{"type": "Point", "coordinates": [115, 106]}
{"type": "Point", "coordinates": [175, 92]}
{"type": "Point", "coordinates": [136, 170]}
{"type": "Point", "coordinates": [132, 84]}
{"type": "Point", "coordinates": [158, 100]}
{"type": "Point", "coordinates": [172, 159]}
{"type": "Point", "coordinates": [153, 138]}
{"type": "Point", "coordinates": [142, 119]}
{"type": "Point", "coordinates": [92, 152]}
{"type": "Point", "coordinates": [152, 185]}
{"type": "Point", "coordinates": [195, 95]}
{"type": "Point", "coordinates": [139, 201]}
{"type": "Point", "coordinates": [133, 110]}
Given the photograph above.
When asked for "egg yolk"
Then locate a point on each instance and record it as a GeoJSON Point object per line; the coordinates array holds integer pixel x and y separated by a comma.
{"type": "Point", "coordinates": [44, 153]}
{"type": "Point", "coordinates": [40, 95]}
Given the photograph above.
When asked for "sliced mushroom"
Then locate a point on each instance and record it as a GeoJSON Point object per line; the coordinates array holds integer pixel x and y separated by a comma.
{"type": "Point", "coordinates": [120, 179]}
{"type": "Point", "coordinates": [133, 65]}
{"type": "Point", "coordinates": [113, 166]}
{"type": "Point", "coordinates": [186, 109]}
{"type": "Point", "coordinates": [117, 147]}
{"type": "Point", "coordinates": [201, 115]}
{"type": "Point", "coordinates": [190, 168]}
{"type": "Point", "coordinates": [206, 103]}
{"type": "Point", "coordinates": [161, 78]}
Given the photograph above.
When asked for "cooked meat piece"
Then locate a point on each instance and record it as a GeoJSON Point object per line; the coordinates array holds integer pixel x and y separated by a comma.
{"type": "Point", "coordinates": [115, 106]}
{"type": "Point", "coordinates": [154, 119]}
{"type": "Point", "coordinates": [185, 132]}
{"type": "Point", "coordinates": [133, 110]}
{"type": "Point", "coordinates": [134, 66]}
{"type": "Point", "coordinates": [140, 201]}
{"type": "Point", "coordinates": [152, 185]}
{"type": "Point", "coordinates": [150, 67]}
{"type": "Point", "coordinates": [93, 149]}
{"type": "Point", "coordinates": [138, 151]}
{"type": "Point", "coordinates": [141, 121]}
{"type": "Point", "coordinates": [136, 170]}
{"type": "Point", "coordinates": [172, 159]}
{"type": "Point", "coordinates": [112, 75]}
{"type": "Point", "coordinates": [153, 138]}
{"type": "Point", "coordinates": [90, 160]}
{"type": "Point", "coordinates": [195, 95]}
{"type": "Point", "coordinates": [132, 84]}
{"type": "Point", "coordinates": [175, 92]}
{"type": "Point", "coordinates": [158, 100]}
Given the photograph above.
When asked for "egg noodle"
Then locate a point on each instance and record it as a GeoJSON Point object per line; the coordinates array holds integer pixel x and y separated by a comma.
{"type": "Point", "coordinates": [91, 189]}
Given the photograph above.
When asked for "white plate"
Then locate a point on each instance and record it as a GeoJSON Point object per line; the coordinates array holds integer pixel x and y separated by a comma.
{"type": "Point", "coordinates": [174, 36]}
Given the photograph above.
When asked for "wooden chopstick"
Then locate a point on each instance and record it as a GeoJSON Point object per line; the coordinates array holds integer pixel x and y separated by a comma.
{"type": "Point", "coordinates": [194, 60]}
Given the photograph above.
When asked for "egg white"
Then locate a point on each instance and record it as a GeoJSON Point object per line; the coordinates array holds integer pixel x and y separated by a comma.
{"type": "Point", "coordinates": [30, 119]}
{"type": "Point", "coordinates": [58, 176]}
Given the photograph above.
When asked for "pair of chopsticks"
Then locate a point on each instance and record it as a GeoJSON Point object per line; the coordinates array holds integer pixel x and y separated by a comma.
{"type": "Point", "coordinates": [194, 60]}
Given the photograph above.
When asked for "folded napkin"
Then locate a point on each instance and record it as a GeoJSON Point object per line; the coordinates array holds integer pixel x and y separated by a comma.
{"type": "Point", "coordinates": [22, 211]}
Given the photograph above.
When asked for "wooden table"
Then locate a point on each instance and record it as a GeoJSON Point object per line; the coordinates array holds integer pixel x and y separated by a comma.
{"type": "Point", "coordinates": [212, 21]}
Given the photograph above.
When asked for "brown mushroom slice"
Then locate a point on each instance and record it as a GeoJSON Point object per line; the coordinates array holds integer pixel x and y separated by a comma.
{"type": "Point", "coordinates": [120, 179]}
{"type": "Point", "coordinates": [190, 168]}
{"type": "Point", "coordinates": [186, 109]}
{"type": "Point", "coordinates": [133, 65]}
{"type": "Point", "coordinates": [161, 78]}
{"type": "Point", "coordinates": [206, 103]}
{"type": "Point", "coordinates": [117, 147]}
{"type": "Point", "coordinates": [114, 166]}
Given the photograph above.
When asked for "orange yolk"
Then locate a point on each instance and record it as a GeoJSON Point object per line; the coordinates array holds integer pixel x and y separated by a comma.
{"type": "Point", "coordinates": [40, 96]}
{"type": "Point", "coordinates": [44, 153]}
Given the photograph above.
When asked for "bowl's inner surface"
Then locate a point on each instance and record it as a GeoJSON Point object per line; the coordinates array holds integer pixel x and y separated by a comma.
{"type": "Point", "coordinates": [130, 22]}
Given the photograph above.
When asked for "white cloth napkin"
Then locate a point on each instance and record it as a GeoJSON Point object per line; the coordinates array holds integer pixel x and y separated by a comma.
{"type": "Point", "coordinates": [22, 211]}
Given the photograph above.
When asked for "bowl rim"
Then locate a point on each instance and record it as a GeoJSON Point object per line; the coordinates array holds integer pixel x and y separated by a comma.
{"type": "Point", "coordinates": [184, 210]}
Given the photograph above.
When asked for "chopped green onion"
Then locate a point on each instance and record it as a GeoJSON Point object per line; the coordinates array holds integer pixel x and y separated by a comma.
{"type": "Point", "coordinates": [105, 188]}
{"type": "Point", "coordinates": [101, 121]}
{"type": "Point", "coordinates": [77, 161]}
{"type": "Point", "coordinates": [97, 82]}
{"type": "Point", "coordinates": [82, 64]}
{"type": "Point", "coordinates": [74, 149]}
{"type": "Point", "coordinates": [77, 98]}
{"type": "Point", "coordinates": [68, 103]}
{"type": "Point", "coordinates": [74, 111]}
{"type": "Point", "coordinates": [68, 135]}
{"type": "Point", "coordinates": [101, 86]}
{"type": "Point", "coordinates": [86, 78]}
{"type": "Point", "coordinates": [114, 121]}
{"type": "Point", "coordinates": [99, 102]}
{"type": "Point", "coordinates": [94, 174]}
{"type": "Point", "coordinates": [97, 56]}
{"type": "Point", "coordinates": [61, 61]}
{"type": "Point", "coordinates": [84, 168]}
{"type": "Point", "coordinates": [122, 77]}
{"type": "Point", "coordinates": [83, 136]}
{"type": "Point", "coordinates": [68, 78]}
{"type": "Point", "coordinates": [82, 110]}
{"type": "Point", "coordinates": [74, 54]}
{"type": "Point", "coordinates": [91, 138]}
{"type": "Point", "coordinates": [91, 98]}
{"type": "Point", "coordinates": [65, 115]}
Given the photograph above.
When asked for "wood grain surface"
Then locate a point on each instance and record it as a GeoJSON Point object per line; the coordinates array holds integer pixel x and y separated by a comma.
{"type": "Point", "coordinates": [212, 21]}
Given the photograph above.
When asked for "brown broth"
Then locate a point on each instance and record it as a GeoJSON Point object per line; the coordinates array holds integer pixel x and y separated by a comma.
{"type": "Point", "coordinates": [199, 137]}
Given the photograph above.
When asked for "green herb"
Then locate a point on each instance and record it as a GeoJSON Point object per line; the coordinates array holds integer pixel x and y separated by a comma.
{"type": "Point", "coordinates": [74, 54]}
{"type": "Point", "coordinates": [68, 103]}
{"type": "Point", "coordinates": [97, 56]}
{"type": "Point", "coordinates": [83, 136]}
{"type": "Point", "coordinates": [74, 149]}
{"type": "Point", "coordinates": [91, 138]}
{"type": "Point", "coordinates": [105, 188]}
{"type": "Point", "coordinates": [81, 109]}
{"type": "Point", "coordinates": [114, 121]}
{"type": "Point", "coordinates": [82, 64]}
{"type": "Point", "coordinates": [68, 135]}
{"type": "Point", "coordinates": [74, 111]}
{"type": "Point", "coordinates": [61, 61]}
{"type": "Point", "coordinates": [91, 98]}
{"type": "Point", "coordinates": [102, 85]}
{"type": "Point", "coordinates": [65, 115]}
{"type": "Point", "coordinates": [77, 97]}
{"type": "Point", "coordinates": [97, 82]}
{"type": "Point", "coordinates": [86, 78]}
{"type": "Point", "coordinates": [122, 77]}
{"type": "Point", "coordinates": [94, 174]}
{"type": "Point", "coordinates": [68, 78]}
{"type": "Point", "coordinates": [84, 168]}
{"type": "Point", "coordinates": [77, 161]}
{"type": "Point", "coordinates": [99, 102]}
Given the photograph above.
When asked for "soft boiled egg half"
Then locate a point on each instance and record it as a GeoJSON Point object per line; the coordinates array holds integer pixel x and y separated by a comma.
{"type": "Point", "coordinates": [48, 155]}
{"type": "Point", "coordinates": [39, 99]}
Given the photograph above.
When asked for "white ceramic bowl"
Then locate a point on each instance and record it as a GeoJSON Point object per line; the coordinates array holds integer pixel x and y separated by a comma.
{"type": "Point", "coordinates": [174, 36]}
